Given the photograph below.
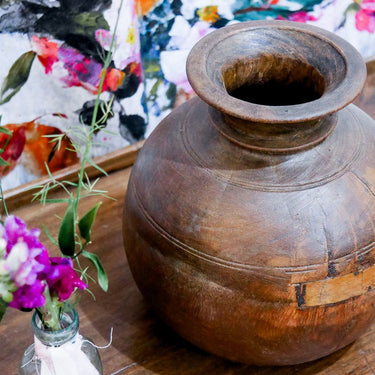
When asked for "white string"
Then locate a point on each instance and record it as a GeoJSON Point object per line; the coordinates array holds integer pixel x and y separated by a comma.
{"type": "Point", "coordinates": [29, 349]}
{"type": "Point", "coordinates": [102, 347]}
{"type": "Point", "coordinates": [33, 358]}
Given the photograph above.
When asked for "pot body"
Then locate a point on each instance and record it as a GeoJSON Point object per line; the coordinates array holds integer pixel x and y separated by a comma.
{"type": "Point", "coordinates": [255, 250]}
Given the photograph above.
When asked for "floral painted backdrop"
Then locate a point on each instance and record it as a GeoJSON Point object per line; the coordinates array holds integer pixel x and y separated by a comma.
{"type": "Point", "coordinates": [170, 28]}
{"type": "Point", "coordinates": [52, 52]}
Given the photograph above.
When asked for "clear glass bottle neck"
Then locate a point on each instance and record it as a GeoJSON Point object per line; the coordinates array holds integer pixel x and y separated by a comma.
{"type": "Point", "coordinates": [69, 322]}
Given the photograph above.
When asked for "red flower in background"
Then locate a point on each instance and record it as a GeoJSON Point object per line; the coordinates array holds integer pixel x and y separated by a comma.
{"type": "Point", "coordinates": [73, 68]}
{"type": "Point", "coordinates": [14, 148]}
{"type": "Point", "coordinates": [46, 51]}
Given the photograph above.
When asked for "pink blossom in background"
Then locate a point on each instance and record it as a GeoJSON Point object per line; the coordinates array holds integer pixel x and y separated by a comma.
{"type": "Point", "coordinates": [104, 38]}
{"type": "Point", "coordinates": [301, 17]}
{"type": "Point", "coordinates": [46, 50]}
{"type": "Point", "coordinates": [365, 17]}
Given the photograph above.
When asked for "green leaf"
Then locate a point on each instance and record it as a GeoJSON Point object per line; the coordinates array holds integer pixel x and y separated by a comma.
{"type": "Point", "coordinates": [3, 162]}
{"type": "Point", "coordinates": [17, 76]}
{"type": "Point", "coordinates": [50, 236]}
{"type": "Point", "coordinates": [86, 23]}
{"type": "Point", "coordinates": [66, 237]}
{"type": "Point", "coordinates": [59, 200]}
{"type": "Point", "coordinates": [102, 276]}
{"type": "Point", "coordinates": [87, 221]}
{"type": "Point", "coordinates": [97, 167]}
{"type": "Point", "coordinates": [3, 308]}
{"type": "Point", "coordinates": [4, 130]}
{"type": "Point", "coordinates": [353, 7]}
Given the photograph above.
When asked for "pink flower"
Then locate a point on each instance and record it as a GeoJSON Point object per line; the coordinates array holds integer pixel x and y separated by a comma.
{"type": "Point", "coordinates": [62, 279]}
{"type": "Point", "coordinates": [46, 51]}
{"type": "Point", "coordinates": [368, 6]}
{"type": "Point", "coordinates": [365, 17]}
{"type": "Point", "coordinates": [364, 21]}
{"type": "Point", "coordinates": [104, 38]}
{"type": "Point", "coordinates": [301, 17]}
{"type": "Point", "coordinates": [28, 296]}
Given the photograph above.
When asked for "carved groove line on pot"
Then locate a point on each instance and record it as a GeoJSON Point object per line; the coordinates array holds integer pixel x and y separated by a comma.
{"type": "Point", "coordinates": [364, 183]}
{"type": "Point", "coordinates": [238, 138]}
{"type": "Point", "coordinates": [247, 184]}
{"type": "Point", "coordinates": [286, 270]}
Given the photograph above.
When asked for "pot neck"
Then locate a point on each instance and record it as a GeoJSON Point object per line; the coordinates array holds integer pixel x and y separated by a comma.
{"type": "Point", "coordinates": [69, 322]}
{"type": "Point", "coordinates": [274, 138]}
{"type": "Point", "coordinates": [275, 86]}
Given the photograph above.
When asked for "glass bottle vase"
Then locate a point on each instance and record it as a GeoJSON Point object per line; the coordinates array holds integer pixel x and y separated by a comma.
{"type": "Point", "coordinates": [60, 352]}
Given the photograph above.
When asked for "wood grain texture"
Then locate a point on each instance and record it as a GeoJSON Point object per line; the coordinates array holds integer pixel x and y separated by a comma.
{"type": "Point", "coordinates": [142, 344]}
{"type": "Point", "coordinates": [249, 226]}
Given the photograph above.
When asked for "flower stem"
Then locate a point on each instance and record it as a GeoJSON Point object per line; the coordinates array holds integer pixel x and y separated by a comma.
{"type": "Point", "coordinates": [86, 154]}
{"type": "Point", "coordinates": [51, 312]}
{"type": "Point", "coordinates": [3, 200]}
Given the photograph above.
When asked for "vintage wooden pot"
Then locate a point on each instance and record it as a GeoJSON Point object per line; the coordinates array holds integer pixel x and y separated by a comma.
{"type": "Point", "coordinates": [249, 222]}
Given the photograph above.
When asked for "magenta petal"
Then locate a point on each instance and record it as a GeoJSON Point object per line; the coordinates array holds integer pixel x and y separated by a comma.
{"type": "Point", "coordinates": [28, 296]}
{"type": "Point", "coordinates": [62, 279]}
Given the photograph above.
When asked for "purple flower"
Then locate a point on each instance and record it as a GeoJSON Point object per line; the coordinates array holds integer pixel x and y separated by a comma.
{"type": "Point", "coordinates": [24, 261]}
{"type": "Point", "coordinates": [28, 296]}
{"type": "Point", "coordinates": [15, 230]}
{"type": "Point", "coordinates": [25, 258]}
{"type": "Point", "coordinates": [62, 279]}
{"type": "Point", "coordinates": [82, 70]}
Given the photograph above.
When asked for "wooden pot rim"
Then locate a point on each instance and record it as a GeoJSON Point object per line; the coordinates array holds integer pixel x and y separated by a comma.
{"type": "Point", "coordinates": [206, 77]}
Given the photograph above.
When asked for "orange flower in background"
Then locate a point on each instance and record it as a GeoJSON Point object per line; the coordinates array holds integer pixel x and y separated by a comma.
{"type": "Point", "coordinates": [144, 6]}
{"type": "Point", "coordinates": [208, 14]}
{"type": "Point", "coordinates": [39, 149]}
{"type": "Point", "coordinates": [113, 79]}
{"type": "Point", "coordinates": [29, 146]}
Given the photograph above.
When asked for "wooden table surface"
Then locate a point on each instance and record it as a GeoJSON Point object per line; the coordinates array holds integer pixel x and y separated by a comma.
{"type": "Point", "coordinates": [142, 344]}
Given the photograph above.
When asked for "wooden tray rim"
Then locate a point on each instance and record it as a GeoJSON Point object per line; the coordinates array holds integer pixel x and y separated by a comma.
{"type": "Point", "coordinates": [110, 162]}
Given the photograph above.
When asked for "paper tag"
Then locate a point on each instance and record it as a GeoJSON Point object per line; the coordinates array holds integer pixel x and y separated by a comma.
{"type": "Point", "coordinates": [65, 359]}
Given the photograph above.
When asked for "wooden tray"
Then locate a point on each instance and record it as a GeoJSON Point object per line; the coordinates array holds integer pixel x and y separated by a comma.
{"type": "Point", "coordinates": [112, 161]}
{"type": "Point", "coordinates": [366, 101]}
